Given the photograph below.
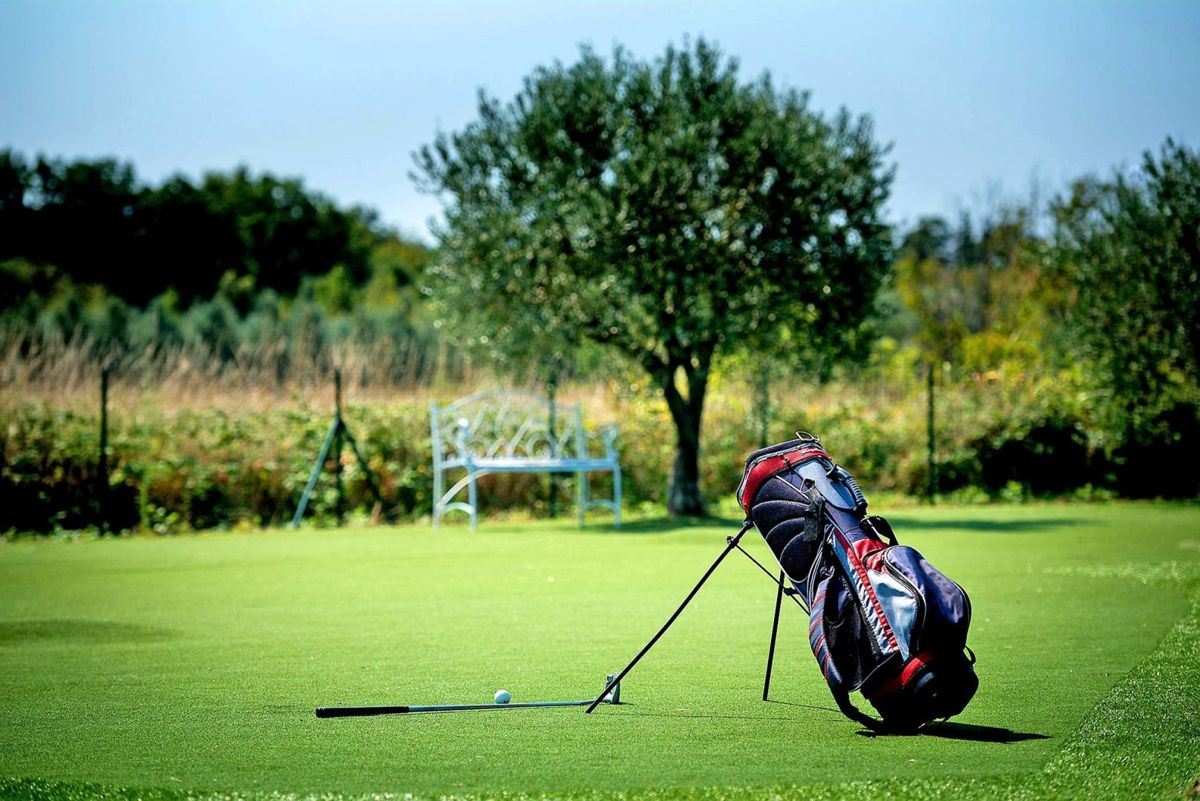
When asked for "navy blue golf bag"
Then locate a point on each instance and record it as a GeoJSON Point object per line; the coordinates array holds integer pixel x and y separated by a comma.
{"type": "Point", "coordinates": [882, 620]}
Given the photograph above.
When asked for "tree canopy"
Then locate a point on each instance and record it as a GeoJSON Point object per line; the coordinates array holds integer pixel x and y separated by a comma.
{"type": "Point", "coordinates": [97, 224]}
{"type": "Point", "coordinates": [666, 210]}
{"type": "Point", "coordinates": [1130, 247]}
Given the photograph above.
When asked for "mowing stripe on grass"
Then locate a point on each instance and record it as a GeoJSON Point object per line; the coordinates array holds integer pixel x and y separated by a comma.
{"type": "Point", "coordinates": [1143, 741]}
{"type": "Point", "coordinates": [195, 662]}
{"type": "Point", "coordinates": [1139, 743]}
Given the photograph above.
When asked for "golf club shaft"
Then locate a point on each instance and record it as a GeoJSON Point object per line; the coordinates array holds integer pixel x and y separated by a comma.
{"type": "Point", "coordinates": [364, 711]}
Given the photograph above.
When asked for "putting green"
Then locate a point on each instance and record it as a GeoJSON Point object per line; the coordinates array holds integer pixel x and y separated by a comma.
{"type": "Point", "coordinates": [195, 662]}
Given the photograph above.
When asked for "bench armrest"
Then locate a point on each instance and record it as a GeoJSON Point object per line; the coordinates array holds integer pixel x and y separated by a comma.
{"type": "Point", "coordinates": [462, 438]}
{"type": "Point", "coordinates": [609, 433]}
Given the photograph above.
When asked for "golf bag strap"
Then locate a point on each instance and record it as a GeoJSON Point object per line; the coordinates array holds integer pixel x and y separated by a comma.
{"type": "Point", "coordinates": [852, 712]}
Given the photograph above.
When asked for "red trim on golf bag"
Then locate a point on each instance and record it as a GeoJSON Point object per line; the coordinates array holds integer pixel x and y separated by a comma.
{"type": "Point", "coordinates": [865, 588]}
{"type": "Point", "coordinates": [773, 464]}
{"type": "Point", "coordinates": [905, 676]}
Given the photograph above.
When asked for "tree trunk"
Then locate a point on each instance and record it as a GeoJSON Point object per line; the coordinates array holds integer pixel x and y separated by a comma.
{"type": "Point", "coordinates": [684, 497]}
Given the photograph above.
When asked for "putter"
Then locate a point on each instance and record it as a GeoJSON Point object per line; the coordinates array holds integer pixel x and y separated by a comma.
{"type": "Point", "coordinates": [611, 695]}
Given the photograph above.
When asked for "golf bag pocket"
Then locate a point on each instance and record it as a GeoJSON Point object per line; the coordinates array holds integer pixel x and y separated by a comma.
{"type": "Point", "coordinates": [894, 628]}
{"type": "Point", "coordinates": [918, 671]}
{"type": "Point", "coordinates": [944, 610]}
{"type": "Point", "coordinates": [791, 525]}
{"type": "Point", "coordinates": [839, 637]}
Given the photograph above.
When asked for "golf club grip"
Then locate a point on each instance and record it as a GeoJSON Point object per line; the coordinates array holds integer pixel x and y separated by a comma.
{"type": "Point", "coordinates": [359, 711]}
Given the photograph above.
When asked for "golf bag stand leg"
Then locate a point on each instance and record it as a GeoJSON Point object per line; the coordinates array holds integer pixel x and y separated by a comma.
{"type": "Point", "coordinates": [731, 543]}
{"type": "Point", "coordinates": [774, 631]}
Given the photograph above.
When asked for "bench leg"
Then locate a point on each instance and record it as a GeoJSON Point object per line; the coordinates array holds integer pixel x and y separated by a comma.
{"type": "Point", "coordinates": [617, 496]}
{"type": "Point", "coordinates": [438, 480]}
{"type": "Point", "coordinates": [473, 500]}
{"type": "Point", "coordinates": [582, 496]}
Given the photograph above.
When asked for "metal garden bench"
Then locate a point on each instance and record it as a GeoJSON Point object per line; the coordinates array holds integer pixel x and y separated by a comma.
{"type": "Point", "coordinates": [500, 431]}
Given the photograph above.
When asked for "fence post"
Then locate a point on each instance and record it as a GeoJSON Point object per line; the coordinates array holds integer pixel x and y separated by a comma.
{"type": "Point", "coordinates": [337, 445]}
{"type": "Point", "coordinates": [762, 400]}
{"type": "Point", "coordinates": [932, 478]}
{"type": "Point", "coordinates": [102, 478]}
{"type": "Point", "coordinates": [551, 396]}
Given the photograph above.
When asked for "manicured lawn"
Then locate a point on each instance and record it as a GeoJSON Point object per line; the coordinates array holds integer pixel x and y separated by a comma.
{"type": "Point", "coordinates": [194, 663]}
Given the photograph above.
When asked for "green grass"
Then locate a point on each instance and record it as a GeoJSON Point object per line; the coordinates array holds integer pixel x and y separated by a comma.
{"type": "Point", "coordinates": [190, 666]}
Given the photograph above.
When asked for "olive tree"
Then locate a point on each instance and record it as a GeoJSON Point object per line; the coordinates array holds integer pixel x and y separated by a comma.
{"type": "Point", "coordinates": [666, 210]}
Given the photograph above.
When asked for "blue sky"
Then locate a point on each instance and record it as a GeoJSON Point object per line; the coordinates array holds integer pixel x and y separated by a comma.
{"type": "Point", "coordinates": [975, 96]}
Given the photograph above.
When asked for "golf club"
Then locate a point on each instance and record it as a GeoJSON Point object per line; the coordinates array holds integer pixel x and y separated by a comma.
{"type": "Point", "coordinates": [612, 695]}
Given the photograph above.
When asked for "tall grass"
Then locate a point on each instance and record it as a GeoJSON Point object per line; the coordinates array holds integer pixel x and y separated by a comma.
{"type": "Point", "coordinates": [65, 370]}
{"type": "Point", "coordinates": [205, 438]}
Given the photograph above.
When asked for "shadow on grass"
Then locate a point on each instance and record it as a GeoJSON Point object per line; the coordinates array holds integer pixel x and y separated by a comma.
{"type": "Point", "coordinates": [832, 709]}
{"type": "Point", "coordinates": [16, 632]}
{"type": "Point", "coordinates": [950, 731]}
{"type": "Point", "coordinates": [687, 713]}
{"type": "Point", "coordinates": [667, 525]}
{"type": "Point", "coordinates": [963, 731]}
{"type": "Point", "coordinates": [901, 522]}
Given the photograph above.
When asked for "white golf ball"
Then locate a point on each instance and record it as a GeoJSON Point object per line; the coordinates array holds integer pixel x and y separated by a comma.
{"type": "Point", "coordinates": [503, 696]}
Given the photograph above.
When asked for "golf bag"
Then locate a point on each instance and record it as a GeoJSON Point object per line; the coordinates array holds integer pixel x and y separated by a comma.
{"type": "Point", "coordinates": [882, 620]}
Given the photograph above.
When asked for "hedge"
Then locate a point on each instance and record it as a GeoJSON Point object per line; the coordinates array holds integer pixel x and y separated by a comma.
{"type": "Point", "coordinates": [221, 465]}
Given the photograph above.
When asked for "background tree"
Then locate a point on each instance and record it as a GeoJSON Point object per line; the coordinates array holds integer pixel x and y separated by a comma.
{"type": "Point", "coordinates": [1130, 248]}
{"type": "Point", "coordinates": [664, 210]}
{"type": "Point", "coordinates": [97, 224]}
{"type": "Point", "coordinates": [973, 289]}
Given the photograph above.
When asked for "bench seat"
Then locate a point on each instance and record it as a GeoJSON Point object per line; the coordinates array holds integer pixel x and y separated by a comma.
{"type": "Point", "coordinates": [513, 464]}
{"type": "Point", "coordinates": [509, 432]}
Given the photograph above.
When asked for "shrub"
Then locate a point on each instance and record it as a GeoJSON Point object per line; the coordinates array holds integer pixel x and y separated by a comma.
{"type": "Point", "coordinates": [233, 464]}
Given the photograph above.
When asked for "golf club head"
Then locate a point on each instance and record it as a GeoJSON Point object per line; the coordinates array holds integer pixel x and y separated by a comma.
{"type": "Point", "coordinates": [614, 695]}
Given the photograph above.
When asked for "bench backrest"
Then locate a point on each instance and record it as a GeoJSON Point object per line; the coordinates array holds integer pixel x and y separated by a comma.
{"type": "Point", "coordinates": [507, 424]}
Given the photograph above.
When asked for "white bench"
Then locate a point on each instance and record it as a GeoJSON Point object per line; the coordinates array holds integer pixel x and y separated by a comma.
{"type": "Point", "coordinates": [500, 431]}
